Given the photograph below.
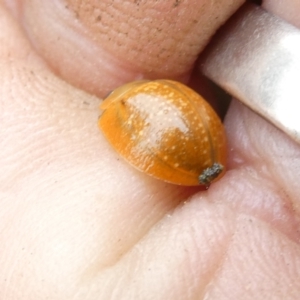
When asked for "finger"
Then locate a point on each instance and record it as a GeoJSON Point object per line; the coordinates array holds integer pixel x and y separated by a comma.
{"type": "Point", "coordinates": [97, 45]}
{"type": "Point", "coordinates": [266, 163]}
{"type": "Point", "coordinates": [288, 10]}
{"type": "Point", "coordinates": [261, 183]}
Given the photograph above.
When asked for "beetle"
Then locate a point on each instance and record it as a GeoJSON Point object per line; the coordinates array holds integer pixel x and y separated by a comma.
{"type": "Point", "coordinates": [166, 130]}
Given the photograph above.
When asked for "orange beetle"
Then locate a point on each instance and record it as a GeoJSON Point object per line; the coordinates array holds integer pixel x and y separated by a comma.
{"type": "Point", "coordinates": [167, 130]}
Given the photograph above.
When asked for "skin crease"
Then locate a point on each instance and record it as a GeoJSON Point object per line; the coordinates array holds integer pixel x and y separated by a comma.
{"type": "Point", "coordinates": [77, 222]}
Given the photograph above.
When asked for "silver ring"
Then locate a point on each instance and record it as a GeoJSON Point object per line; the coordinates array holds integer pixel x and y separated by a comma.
{"type": "Point", "coordinates": [255, 57]}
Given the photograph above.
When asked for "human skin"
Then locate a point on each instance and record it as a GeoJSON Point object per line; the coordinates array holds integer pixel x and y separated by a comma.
{"type": "Point", "coordinates": [76, 221]}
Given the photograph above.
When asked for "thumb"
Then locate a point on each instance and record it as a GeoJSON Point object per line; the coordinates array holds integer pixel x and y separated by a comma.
{"type": "Point", "coordinates": [120, 41]}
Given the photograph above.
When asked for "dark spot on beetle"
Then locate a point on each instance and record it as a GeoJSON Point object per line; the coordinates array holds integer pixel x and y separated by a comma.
{"type": "Point", "coordinates": [209, 174]}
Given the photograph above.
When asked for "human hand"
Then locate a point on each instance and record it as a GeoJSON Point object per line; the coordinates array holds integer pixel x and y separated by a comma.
{"type": "Point", "coordinates": [77, 222]}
